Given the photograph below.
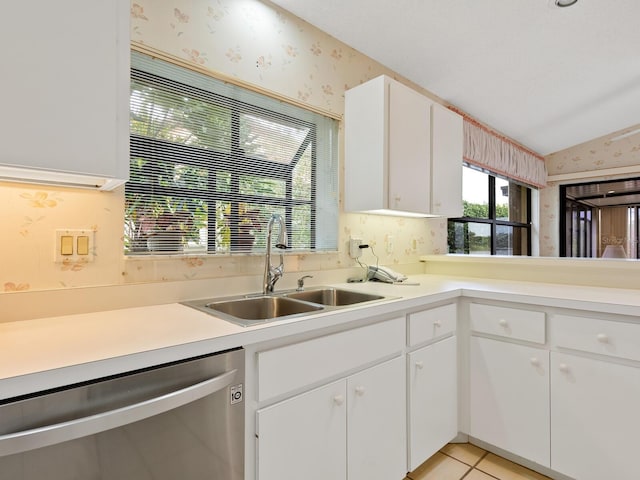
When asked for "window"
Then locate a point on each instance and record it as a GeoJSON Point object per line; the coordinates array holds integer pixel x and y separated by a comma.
{"type": "Point", "coordinates": [211, 161]}
{"type": "Point", "coordinates": [601, 219]}
{"type": "Point", "coordinates": [496, 216]}
{"type": "Point", "coordinates": [580, 232]}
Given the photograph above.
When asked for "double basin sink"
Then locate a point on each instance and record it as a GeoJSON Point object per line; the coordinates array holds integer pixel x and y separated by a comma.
{"type": "Point", "coordinates": [255, 309]}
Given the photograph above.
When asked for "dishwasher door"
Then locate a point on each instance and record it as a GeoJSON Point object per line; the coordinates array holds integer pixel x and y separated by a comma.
{"type": "Point", "coordinates": [183, 420]}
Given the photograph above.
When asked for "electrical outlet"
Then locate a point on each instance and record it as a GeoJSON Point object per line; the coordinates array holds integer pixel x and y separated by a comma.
{"type": "Point", "coordinates": [389, 243]}
{"type": "Point", "coordinates": [354, 247]}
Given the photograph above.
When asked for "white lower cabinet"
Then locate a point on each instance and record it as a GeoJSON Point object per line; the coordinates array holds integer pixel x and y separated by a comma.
{"type": "Point", "coordinates": [509, 397]}
{"type": "Point", "coordinates": [433, 399]}
{"type": "Point", "coordinates": [352, 429]}
{"type": "Point", "coordinates": [305, 436]}
{"type": "Point", "coordinates": [376, 423]}
{"type": "Point", "coordinates": [562, 392]}
{"type": "Point", "coordinates": [595, 418]}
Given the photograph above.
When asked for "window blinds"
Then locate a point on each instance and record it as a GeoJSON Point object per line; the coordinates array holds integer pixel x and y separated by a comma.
{"type": "Point", "coordinates": [211, 161]}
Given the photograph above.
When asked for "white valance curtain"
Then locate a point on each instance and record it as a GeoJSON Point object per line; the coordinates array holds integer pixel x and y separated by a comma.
{"type": "Point", "coordinates": [496, 153]}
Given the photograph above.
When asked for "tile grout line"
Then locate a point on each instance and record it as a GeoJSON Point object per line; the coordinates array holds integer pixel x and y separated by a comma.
{"type": "Point", "coordinates": [498, 478]}
{"type": "Point", "coordinates": [472, 466]}
{"type": "Point", "coordinates": [475, 469]}
{"type": "Point", "coordinates": [466, 474]}
{"type": "Point", "coordinates": [481, 458]}
{"type": "Point", "coordinates": [478, 470]}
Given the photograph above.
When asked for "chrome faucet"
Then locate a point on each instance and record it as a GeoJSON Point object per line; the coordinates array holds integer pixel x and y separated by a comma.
{"type": "Point", "coordinates": [301, 282]}
{"type": "Point", "coordinates": [272, 274]}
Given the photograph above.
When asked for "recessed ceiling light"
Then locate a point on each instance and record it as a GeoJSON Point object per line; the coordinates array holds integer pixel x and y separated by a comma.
{"type": "Point", "coordinates": [565, 3]}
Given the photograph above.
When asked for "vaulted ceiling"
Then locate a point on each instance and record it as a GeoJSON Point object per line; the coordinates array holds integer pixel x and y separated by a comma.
{"type": "Point", "coordinates": [548, 77]}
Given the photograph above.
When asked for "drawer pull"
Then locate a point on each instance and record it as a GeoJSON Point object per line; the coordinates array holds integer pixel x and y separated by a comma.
{"type": "Point", "coordinates": [360, 391]}
{"type": "Point", "coordinates": [420, 365]}
{"type": "Point", "coordinates": [338, 400]}
{"type": "Point", "coordinates": [563, 367]}
{"type": "Point", "coordinates": [534, 361]}
{"type": "Point", "coordinates": [603, 338]}
{"type": "Point", "coordinates": [502, 322]}
{"type": "Point", "coordinates": [437, 323]}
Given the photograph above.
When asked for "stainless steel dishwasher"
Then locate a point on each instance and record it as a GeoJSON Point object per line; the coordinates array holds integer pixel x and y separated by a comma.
{"type": "Point", "coordinates": [183, 420]}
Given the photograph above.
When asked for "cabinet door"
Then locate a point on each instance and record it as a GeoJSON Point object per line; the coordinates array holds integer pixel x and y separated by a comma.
{"type": "Point", "coordinates": [433, 399]}
{"type": "Point", "coordinates": [67, 75]}
{"type": "Point", "coordinates": [446, 162]}
{"type": "Point", "coordinates": [376, 423]}
{"type": "Point", "coordinates": [409, 150]}
{"type": "Point", "coordinates": [305, 436]}
{"type": "Point", "coordinates": [509, 397]}
{"type": "Point", "coordinates": [365, 146]}
{"type": "Point", "coordinates": [387, 148]}
{"type": "Point", "coordinates": [594, 418]}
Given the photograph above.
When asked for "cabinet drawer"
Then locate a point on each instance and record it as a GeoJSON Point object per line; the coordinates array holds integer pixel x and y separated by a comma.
{"type": "Point", "coordinates": [605, 337]}
{"type": "Point", "coordinates": [508, 322]}
{"type": "Point", "coordinates": [295, 366]}
{"type": "Point", "coordinates": [429, 324]}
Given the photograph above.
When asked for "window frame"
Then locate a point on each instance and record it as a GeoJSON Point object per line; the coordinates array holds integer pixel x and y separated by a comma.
{"type": "Point", "coordinates": [492, 221]}
{"type": "Point", "coordinates": [235, 163]}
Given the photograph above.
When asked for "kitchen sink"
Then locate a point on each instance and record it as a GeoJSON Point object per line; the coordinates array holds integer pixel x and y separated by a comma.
{"type": "Point", "coordinates": [247, 311]}
{"type": "Point", "coordinates": [251, 310]}
{"type": "Point", "coordinates": [333, 296]}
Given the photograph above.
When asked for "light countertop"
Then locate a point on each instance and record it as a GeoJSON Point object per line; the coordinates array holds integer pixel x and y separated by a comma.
{"type": "Point", "coordinates": [50, 352]}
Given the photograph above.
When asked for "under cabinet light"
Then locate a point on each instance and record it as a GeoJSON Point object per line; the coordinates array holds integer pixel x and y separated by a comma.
{"type": "Point", "coordinates": [61, 179]}
{"type": "Point", "coordinates": [625, 135]}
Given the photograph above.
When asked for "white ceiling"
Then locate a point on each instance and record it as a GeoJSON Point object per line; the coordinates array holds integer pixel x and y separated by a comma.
{"type": "Point", "coordinates": [548, 77]}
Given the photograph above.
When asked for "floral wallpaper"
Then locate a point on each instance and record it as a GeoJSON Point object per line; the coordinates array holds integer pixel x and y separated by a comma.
{"type": "Point", "coordinates": [598, 154]}
{"type": "Point", "coordinates": [263, 45]}
{"type": "Point", "coordinates": [257, 43]}
{"type": "Point", "coordinates": [549, 233]}
{"type": "Point", "coordinates": [268, 47]}
{"type": "Point", "coordinates": [30, 216]}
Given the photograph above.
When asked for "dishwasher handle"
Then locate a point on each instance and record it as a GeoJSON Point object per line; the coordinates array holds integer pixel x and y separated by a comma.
{"type": "Point", "coordinates": [26, 440]}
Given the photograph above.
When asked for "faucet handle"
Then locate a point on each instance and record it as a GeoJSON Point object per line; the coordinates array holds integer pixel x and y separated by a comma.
{"type": "Point", "coordinates": [301, 282]}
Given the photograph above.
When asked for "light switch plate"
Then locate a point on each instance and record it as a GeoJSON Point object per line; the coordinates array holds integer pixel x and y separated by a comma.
{"type": "Point", "coordinates": [82, 247]}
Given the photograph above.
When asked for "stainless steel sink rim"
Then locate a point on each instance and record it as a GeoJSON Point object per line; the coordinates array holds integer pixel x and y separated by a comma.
{"type": "Point", "coordinates": [337, 297]}
{"type": "Point", "coordinates": [217, 306]}
{"type": "Point", "coordinates": [270, 306]}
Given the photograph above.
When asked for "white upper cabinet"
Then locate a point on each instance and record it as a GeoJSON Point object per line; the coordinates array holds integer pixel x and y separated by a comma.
{"type": "Point", "coordinates": [66, 81]}
{"type": "Point", "coordinates": [394, 151]}
{"type": "Point", "coordinates": [446, 162]}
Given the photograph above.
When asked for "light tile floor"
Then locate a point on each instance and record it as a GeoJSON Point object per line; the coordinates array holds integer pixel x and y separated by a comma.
{"type": "Point", "coordinates": [458, 461]}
